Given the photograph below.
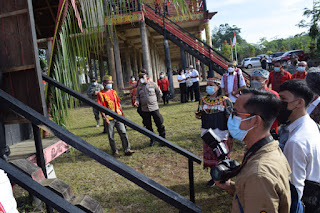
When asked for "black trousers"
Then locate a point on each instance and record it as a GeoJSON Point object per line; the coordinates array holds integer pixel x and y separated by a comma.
{"type": "Point", "coordinates": [158, 119]}
{"type": "Point", "coordinates": [196, 90]}
{"type": "Point", "coordinates": [190, 93]}
{"type": "Point", "coordinates": [183, 92]}
{"type": "Point", "coordinates": [165, 97]}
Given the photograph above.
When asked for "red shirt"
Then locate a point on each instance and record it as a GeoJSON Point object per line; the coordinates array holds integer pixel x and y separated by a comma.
{"type": "Point", "coordinates": [163, 84]}
{"type": "Point", "coordinates": [299, 75]}
{"type": "Point", "coordinates": [110, 100]}
{"type": "Point", "coordinates": [275, 124]}
{"type": "Point", "coordinates": [278, 78]}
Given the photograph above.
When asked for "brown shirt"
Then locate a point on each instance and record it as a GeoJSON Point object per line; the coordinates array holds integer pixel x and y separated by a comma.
{"type": "Point", "coordinates": [148, 95]}
{"type": "Point", "coordinates": [263, 183]}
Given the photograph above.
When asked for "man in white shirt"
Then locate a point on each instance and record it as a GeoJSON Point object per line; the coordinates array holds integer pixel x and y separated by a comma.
{"type": "Point", "coordinates": [7, 202]}
{"type": "Point", "coordinates": [232, 82]}
{"type": "Point", "coordinates": [313, 82]}
{"type": "Point", "coordinates": [182, 84]}
{"type": "Point", "coordinates": [195, 80]}
{"type": "Point", "coordinates": [302, 148]}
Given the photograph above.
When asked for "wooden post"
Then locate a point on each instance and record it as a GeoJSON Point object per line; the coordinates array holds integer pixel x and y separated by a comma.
{"type": "Point", "coordinates": [168, 65]}
{"type": "Point", "coordinates": [128, 71]}
{"type": "Point", "coordinates": [140, 60]}
{"type": "Point", "coordinates": [208, 32]}
{"type": "Point", "coordinates": [135, 62]}
{"type": "Point", "coordinates": [145, 49]}
{"type": "Point", "coordinates": [118, 60]}
{"type": "Point", "coordinates": [183, 58]}
{"type": "Point", "coordinates": [204, 72]}
{"type": "Point", "coordinates": [111, 60]}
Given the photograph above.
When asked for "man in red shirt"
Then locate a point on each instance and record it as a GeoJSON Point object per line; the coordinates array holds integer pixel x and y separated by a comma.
{"type": "Point", "coordinates": [259, 80]}
{"type": "Point", "coordinates": [278, 76]}
{"type": "Point", "coordinates": [163, 83]}
{"type": "Point", "coordinates": [302, 71]}
{"type": "Point", "coordinates": [110, 99]}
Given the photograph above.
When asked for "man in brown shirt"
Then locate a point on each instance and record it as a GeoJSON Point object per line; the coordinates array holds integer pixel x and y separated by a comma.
{"type": "Point", "coordinates": [262, 184]}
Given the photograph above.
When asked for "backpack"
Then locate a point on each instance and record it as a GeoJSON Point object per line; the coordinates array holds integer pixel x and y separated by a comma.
{"type": "Point", "coordinates": [296, 204]}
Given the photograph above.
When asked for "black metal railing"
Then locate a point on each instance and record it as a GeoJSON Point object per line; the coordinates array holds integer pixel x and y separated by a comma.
{"type": "Point", "coordinates": [100, 156]}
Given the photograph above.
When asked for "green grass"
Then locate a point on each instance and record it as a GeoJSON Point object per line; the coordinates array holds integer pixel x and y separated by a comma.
{"type": "Point", "coordinates": [117, 194]}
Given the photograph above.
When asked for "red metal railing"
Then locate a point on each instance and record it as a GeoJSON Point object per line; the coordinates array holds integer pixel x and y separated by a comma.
{"type": "Point", "coordinates": [191, 41]}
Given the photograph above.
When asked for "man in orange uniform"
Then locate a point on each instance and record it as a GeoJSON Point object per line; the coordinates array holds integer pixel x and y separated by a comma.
{"type": "Point", "coordinates": [302, 71]}
{"type": "Point", "coordinates": [278, 76]}
{"type": "Point", "coordinates": [110, 99]}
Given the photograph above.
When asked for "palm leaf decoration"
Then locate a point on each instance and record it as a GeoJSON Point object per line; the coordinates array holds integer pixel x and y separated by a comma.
{"type": "Point", "coordinates": [80, 33]}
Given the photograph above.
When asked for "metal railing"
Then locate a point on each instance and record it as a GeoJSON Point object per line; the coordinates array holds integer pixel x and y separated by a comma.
{"type": "Point", "coordinates": [100, 156]}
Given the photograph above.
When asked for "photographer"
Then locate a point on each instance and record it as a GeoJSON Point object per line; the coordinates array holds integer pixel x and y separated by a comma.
{"type": "Point", "coordinates": [262, 182]}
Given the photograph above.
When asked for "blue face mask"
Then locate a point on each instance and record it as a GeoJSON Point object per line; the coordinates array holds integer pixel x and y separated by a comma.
{"type": "Point", "coordinates": [210, 90]}
{"type": "Point", "coordinates": [277, 69]}
{"type": "Point", "coordinates": [234, 127]}
{"type": "Point", "coordinates": [94, 83]}
{"type": "Point", "coordinates": [108, 86]}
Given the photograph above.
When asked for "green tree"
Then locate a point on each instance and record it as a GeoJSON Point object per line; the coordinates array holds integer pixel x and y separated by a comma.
{"type": "Point", "coordinates": [226, 52]}
{"type": "Point", "coordinates": [224, 33]}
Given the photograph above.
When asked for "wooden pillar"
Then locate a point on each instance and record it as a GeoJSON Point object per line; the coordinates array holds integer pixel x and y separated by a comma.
{"type": "Point", "coordinates": [128, 71]}
{"type": "Point", "coordinates": [204, 71]}
{"type": "Point", "coordinates": [154, 69]}
{"type": "Point", "coordinates": [168, 65]}
{"type": "Point", "coordinates": [208, 32]}
{"type": "Point", "coordinates": [116, 49]}
{"type": "Point", "coordinates": [111, 60]}
{"type": "Point", "coordinates": [140, 60]}
{"type": "Point", "coordinates": [183, 58]}
{"type": "Point", "coordinates": [145, 49]}
{"type": "Point", "coordinates": [135, 62]}
{"type": "Point", "coordinates": [101, 68]}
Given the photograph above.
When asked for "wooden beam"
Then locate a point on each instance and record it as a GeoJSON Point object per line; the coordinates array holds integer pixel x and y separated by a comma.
{"type": "Point", "coordinates": [14, 13]}
{"type": "Point", "coordinates": [20, 68]}
{"type": "Point", "coordinates": [51, 12]}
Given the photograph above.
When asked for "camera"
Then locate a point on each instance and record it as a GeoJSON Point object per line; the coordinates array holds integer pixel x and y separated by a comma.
{"type": "Point", "coordinates": [226, 167]}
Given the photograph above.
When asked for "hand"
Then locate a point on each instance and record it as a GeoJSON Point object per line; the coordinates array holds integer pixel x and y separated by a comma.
{"type": "Point", "coordinates": [198, 115]}
{"type": "Point", "coordinates": [233, 93]}
{"type": "Point", "coordinates": [226, 185]}
{"type": "Point", "coordinates": [96, 92]}
{"type": "Point", "coordinates": [136, 104]}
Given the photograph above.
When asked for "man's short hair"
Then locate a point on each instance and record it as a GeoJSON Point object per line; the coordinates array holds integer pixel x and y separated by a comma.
{"type": "Point", "coordinates": [299, 88]}
{"type": "Point", "coordinates": [313, 79]}
{"type": "Point", "coordinates": [263, 103]}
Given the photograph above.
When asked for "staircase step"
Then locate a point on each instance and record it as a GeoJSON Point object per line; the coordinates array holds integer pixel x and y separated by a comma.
{"type": "Point", "coordinates": [87, 204]}
{"type": "Point", "coordinates": [29, 168]}
{"type": "Point", "coordinates": [60, 188]}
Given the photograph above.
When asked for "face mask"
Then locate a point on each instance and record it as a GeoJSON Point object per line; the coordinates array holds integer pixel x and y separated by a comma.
{"type": "Point", "coordinates": [142, 80]}
{"type": "Point", "coordinates": [161, 76]}
{"type": "Point", "coordinates": [277, 69]}
{"type": "Point", "coordinates": [94, 83]}
{"type": "Point", "coordinates": [132, 79]}
{"type": "Point", "coordinates": [255, 84]}
{"type": "Point", "coordinates": [210, 90]}
{"type": "Point", "coordinates": [230, 69]}
{"type": "Point", "coordinates": [234, 127]}
{"type": "Point", "coordinates": [284, 113]}
{"type": "Point", "coordinates": [301, 69]}
{"type": "Point", "coordinates": [108, 86]}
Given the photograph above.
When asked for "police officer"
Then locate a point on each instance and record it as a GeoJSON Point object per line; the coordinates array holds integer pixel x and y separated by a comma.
{"type": "Point", "coordinates": [148, 94]}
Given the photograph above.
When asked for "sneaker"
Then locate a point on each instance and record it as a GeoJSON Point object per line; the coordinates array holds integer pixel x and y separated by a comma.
{"type": "Point", "coordinates": [151, 142]}
{"type": "Point", "coordinates": [116, 155]}
{"type": "Point", "coordinates": [129, 152]}
{"type": "Point", "coordinates": [210, 183]}
{"type": "Point", "coordinates": [97, 125]}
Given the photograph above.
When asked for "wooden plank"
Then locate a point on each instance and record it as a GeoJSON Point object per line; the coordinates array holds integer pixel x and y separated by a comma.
{"type": "Point", "coordinates": [20, 68]}
{"type": "Point", "coordinates": [14, 13]}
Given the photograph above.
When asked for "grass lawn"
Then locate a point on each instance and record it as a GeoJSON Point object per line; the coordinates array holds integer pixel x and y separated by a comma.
{"type": "Point", "coordinates": [117, 194]}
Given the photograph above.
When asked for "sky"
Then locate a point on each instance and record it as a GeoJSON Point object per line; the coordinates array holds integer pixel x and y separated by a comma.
{"type": "Point", "coordinates": [257, 19]}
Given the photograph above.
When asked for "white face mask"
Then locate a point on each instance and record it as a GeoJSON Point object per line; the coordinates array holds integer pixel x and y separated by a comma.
{"type": "Point", "coordinates": [108, 86]}
{"type": "Point", "coordinates": [230, 69]}
{"type": "Point", "coordinates": [301, 69]}
{"type": "Point", "coordinates": [132, 79]}
{"type": "Point", "coordinates": [161, 76]}
{"type": "Point", "coordinates": [142, 80]}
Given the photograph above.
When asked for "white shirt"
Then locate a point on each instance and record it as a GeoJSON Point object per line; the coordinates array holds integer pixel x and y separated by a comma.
{"type": "Point", "coordinates": [7, 200]}
{"type": "Point", "coordinates": [181, 78]}
{"type": "Point", "coordinates": [313, 105]}
{"type": "Point", "coordinates": [302, 151]}
{"type": "Point", "coordinates": [194, 73]}
{"type": "Point", "coordinates": [230, 84]}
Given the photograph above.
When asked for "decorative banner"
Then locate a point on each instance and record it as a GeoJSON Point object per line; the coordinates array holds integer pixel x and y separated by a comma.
{"type": "Point", "coordinates": [125, 18]}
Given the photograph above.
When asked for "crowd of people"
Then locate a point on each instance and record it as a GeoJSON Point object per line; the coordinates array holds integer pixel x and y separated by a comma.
{"type": "Point", "coordinates": [277, 119]}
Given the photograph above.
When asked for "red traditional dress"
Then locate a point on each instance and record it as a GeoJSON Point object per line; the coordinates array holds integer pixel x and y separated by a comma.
{"type": "Point", "coordinates": [299, 75]}
{"type": "Point", "coordinates": [275, 124]}
{"type": "Point", "coordinates": [133, 92]}
{"type": "Point", "coordinates": [278, 78]}
{"type": "Point", "coordinates": [110, 100]}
